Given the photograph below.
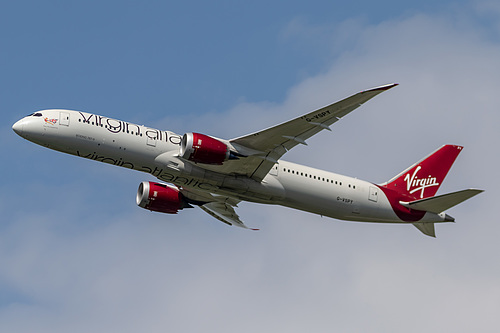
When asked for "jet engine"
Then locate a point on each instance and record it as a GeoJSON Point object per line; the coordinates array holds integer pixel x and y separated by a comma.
{"type": "Point", "coordinates": [201, 148]}
{"type": "Point", "coordinates": [160, 198]}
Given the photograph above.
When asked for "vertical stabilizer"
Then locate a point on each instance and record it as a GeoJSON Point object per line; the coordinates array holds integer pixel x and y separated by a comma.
{"type": "Point", "coordinates": [422, 180]}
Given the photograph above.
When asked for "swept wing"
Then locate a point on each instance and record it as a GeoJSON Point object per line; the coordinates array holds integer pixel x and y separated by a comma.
{"type": "Point", "coordinates": [264, 148]}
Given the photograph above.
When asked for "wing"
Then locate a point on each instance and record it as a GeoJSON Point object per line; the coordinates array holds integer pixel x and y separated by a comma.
{"type": "Point", "coordinates": [263, 149]}
{"type": "Point", "coordinates": [224, 213]}
{"type": "Point", "coordinates": [218, 206]}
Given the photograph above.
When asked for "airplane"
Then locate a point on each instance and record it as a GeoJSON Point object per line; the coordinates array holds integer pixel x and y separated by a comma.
{"type": "Point", "coordinates": [216, 174]}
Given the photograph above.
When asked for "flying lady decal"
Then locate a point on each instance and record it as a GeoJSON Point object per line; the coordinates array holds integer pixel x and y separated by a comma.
{"type": "Point", "coordinates": [50, 121]}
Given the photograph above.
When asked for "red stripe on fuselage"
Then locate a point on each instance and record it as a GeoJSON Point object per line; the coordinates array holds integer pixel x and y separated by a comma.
{"type": "Point", "coordinates": [405, 214]}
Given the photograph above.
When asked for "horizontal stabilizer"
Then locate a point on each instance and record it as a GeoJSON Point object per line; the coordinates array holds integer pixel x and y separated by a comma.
{"type": "Point", "coordinates": [426, 228]}
{"type": "Point", "coordinates": [440, 203]}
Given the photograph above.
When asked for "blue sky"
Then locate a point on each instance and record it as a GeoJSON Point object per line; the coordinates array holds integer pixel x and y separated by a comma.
{"type": "Point", "coordinates": [78, 255]}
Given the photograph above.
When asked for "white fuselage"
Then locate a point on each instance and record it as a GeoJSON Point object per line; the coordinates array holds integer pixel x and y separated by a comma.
{"type": "Point", "coordinates": [156, 152]}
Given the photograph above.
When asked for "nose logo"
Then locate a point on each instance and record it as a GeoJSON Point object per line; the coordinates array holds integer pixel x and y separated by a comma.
{"type": "Point", "coordinates": [50, 121]}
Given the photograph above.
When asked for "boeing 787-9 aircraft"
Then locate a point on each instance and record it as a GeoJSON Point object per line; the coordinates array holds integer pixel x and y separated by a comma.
{"type": "Point", "coordinates": [216, 174]}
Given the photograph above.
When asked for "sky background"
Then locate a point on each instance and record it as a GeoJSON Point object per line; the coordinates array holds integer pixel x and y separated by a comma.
{"type": "Point", "coordinates": [78, 255]}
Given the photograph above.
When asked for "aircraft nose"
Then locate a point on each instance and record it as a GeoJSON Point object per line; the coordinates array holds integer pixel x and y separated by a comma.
{"type": "Point", "coordinates": [18, 127]}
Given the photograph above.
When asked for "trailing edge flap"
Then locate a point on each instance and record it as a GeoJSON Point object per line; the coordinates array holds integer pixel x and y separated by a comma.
{"type": "Point", "coordinates": [225, 213]}
{"type": "Point", "coordinates": [440, 203]}
{"type": "Point", "coordinates": [426, 228]}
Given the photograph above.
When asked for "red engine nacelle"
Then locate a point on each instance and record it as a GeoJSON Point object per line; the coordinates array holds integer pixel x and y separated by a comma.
{"type": "Point", "coordinates": [201, 148]}
{"type": "Point", "coordinates": [160, 198]}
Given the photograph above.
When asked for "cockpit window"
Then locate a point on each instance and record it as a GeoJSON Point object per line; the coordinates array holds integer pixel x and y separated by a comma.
{"type": "Point", "coordinates": [36, 114]}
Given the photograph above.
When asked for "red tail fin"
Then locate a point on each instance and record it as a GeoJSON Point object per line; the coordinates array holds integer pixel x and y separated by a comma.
{"type": "Point", "coordinates": [423, 179]}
